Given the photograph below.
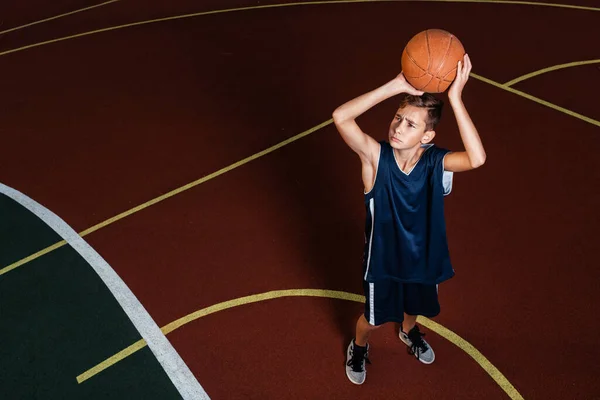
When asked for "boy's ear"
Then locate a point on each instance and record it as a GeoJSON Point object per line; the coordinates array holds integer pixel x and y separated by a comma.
{"type": "Point", "coordinates": [428, 136]}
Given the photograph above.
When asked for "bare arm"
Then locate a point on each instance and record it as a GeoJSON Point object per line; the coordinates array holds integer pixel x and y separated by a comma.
{"type": "Point", "coordinates": [345, 116]}
{"type": "Point", "coordinates": [474, 155]}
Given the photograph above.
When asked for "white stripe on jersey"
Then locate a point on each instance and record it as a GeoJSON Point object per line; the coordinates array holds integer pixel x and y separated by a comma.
{"type": "Point", "coordinates": [372, 211]}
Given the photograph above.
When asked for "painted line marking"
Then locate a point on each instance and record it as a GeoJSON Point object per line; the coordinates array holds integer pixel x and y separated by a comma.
{"type": "Point", "coordinates": [126, 352]}
{"type": "Point", "coordinates": [167, 356]}
{"type": "Point", "coordinates": [536, 99]}
{"type": "Point", "coordinates": [33, 257]}
{"type": "Point", "coordinates": [549, 69]}
{"type": "Point", "coordinates": [308, 3]}
{"type": "Point", "coordinates": [475, 354]}
{"type": "Point", "coordinates": [262, 153]}
{"type": "Point", "coordinates": [56, 17]}
{"type": "Point", "coordinates": [76, 240]}
{"type": "Point", "coordinates": [167, 195]}
{"type": "Point", "coordinates": [206, 178]}
{"type": "Point", "coordinates": [244, 161]}
{"type": "Point", "coordinates": [444, 332]}
{"type": "Point", "coordinates": [524, 3]}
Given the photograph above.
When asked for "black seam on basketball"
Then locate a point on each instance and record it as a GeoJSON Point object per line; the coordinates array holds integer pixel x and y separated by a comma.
{"type": "Point", "coordinates": [417, 65]}
{"type": "Point", "coordinates": [428, 51]}
{"type": "Point", "coordinates": [444, 77]}
{"type": "Point", "coordinates": [425, 85]}
{"type": "Point", "coordinates": [448, 73]}
{"type": "Point", "coordinates": [445, 57]}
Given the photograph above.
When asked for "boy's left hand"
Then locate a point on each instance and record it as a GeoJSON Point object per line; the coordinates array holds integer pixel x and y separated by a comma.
{"type": "Point", "coordinates": [462, 75]}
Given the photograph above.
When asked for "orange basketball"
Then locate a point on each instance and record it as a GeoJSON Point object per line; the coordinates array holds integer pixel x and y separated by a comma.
{"type": "Point", "coordinates": [430, 59]}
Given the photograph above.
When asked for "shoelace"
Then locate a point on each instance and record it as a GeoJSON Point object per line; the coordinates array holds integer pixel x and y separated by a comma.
{"type": "Point", "coordinates": [418, 344]}
{"type": "Point", "coordinates": [356, 362]}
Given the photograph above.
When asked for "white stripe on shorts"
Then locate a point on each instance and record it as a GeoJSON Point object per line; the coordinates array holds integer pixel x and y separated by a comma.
{"type": "Point", "coordinates": [372, 303]}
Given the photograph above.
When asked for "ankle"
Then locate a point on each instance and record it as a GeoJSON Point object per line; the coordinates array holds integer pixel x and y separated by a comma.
{"type": "Point", "coordinates": [406, 327]}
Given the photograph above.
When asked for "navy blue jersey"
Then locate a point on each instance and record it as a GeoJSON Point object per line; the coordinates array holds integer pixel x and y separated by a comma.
{"type": "Point", "coordinates": [405, 232]}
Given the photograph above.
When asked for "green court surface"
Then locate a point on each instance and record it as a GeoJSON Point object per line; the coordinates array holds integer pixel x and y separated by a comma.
{"type": "Point", "coordinates": [58, 319]}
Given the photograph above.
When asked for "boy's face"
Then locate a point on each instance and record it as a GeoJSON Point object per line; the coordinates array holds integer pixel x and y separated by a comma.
{"type": "Point", "coordinates": [407, 129]}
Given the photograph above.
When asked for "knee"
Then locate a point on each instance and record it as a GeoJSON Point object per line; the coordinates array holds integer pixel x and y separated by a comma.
{"type": "Point", "coordinates": [364, 324]}
{"type": "Point", "coordinates": [372, 328]}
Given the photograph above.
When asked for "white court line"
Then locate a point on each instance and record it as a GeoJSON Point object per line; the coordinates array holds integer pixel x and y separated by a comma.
{"type": "Point", "coordinates": [167, 356]}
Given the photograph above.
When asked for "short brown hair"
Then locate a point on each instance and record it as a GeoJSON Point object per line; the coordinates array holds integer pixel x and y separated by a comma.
{"type": "Point", "coordinates": [426, 100]}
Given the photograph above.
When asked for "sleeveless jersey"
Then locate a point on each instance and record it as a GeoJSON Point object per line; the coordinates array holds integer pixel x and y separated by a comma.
{"type": "Point", "coordinates": [405, 229]}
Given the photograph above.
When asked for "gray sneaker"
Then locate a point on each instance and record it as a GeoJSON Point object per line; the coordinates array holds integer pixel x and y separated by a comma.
{"type": "Point", "coordinates": [355, 364]}
{"type": "Point", "coordinates": [417, 346]}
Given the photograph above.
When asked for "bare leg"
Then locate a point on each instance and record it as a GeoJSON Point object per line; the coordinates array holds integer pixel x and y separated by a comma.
{"type": "Point", "coordinates": [409, 322]}
{"type": "Point", "coordinates": [363, 331]}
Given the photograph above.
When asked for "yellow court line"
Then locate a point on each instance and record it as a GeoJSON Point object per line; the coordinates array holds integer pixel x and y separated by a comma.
{"type": "Point", "coordinates": [57, 17]}
{"type": "Point", "coordinates": [524, 3]}
{"type": "Point", "coordinates": [475, 354]}
{"type": "Point", "coordinates": [444, 332]}
{"type": "Point", "coordinates": [536, 99]}
{"type": "Point", "coordinates": [206, 178]}
{"type": "Point", "coordinates": [262, 153]}
{"type": "Point", "coordinates": [550, 69]}
{"type": "Point", "coordinates": [307, 3]}
{"type": "Point", "coordinates": [220, 172]}
{"type": "Point", "coordinates": [32, 257]}
{"type": "Point", "coordinates": [167, 195]}
{"type": "Point", "coordinates": [183, 16]}
{"type": "Point", "coordinates": [109, 362]}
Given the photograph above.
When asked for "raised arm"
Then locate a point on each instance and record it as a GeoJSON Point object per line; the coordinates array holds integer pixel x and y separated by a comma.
{"type": "Point", "coordinates": [345, 116]}
{"type": "Point", "coordinates": [474, 155]}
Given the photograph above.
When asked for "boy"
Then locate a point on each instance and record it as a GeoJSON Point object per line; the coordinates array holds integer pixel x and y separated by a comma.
{"type": "Point", "coordinates": [406, 253]}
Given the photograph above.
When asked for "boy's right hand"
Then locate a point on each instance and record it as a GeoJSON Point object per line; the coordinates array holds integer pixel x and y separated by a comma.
{"type": "Point", "coordinates": [403, 86]}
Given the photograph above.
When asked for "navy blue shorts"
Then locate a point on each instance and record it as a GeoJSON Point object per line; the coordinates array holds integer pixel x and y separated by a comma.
{"type": "Point", "coordinates": [387, 301]}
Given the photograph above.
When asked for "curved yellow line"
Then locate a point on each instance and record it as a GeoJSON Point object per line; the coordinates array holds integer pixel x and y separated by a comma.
{"type": "Point", "coordinates": [550, 69]}
{"type": "Point", "coordinates": [536, 99]}
{"type": "Point", "coordinates": [215, 174]}
{"type": "Point", "coordinates": [56, 17]}
{"type": "Point", "coordinates": [307, 3]}
{"type": "Point", "coordinates": [444, 332]}
{"type": "Point", "coordinates": [524, 3]}
{"type": "Point", "coordinates": [176, 17]}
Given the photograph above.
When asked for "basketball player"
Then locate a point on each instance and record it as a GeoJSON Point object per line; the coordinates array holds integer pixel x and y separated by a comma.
{"type": "Point", "coordinates": [405, 180]}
